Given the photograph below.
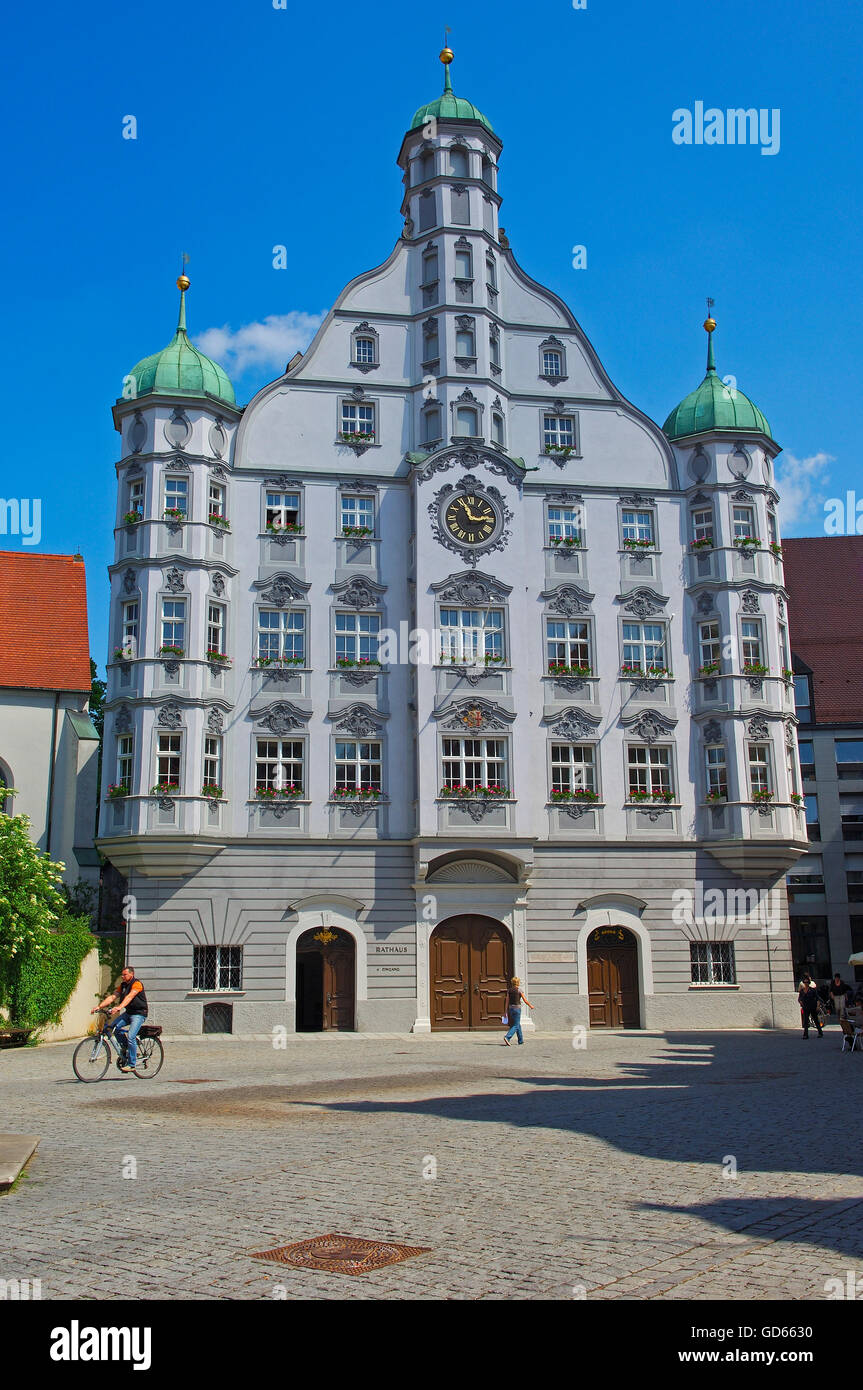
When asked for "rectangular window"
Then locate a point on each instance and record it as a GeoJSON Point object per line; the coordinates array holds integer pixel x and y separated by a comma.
{"type": "Point", "coordinates": [491, 272]}
{"type": "Point", "coordinates": [168, 754]}
{"type": "Point", "coordinates": [174, 623]}
{"type": "Point", "coordinates": [758, 755]}
{"type": "Point", "coordinates": [136, 496]}
{"type": "Point", "coordinates": [358, 419]}
{"type": "Point", "coordinates": [772, 533]}
{"type": "Point", "coordinates": [494, 347]}
{"type": "Point", "coordinates": [849, 758]}
{"type": "Point", "coordinates": [558, 431]}
{"type": "Point", "coordinates": [466, 422]}
{"type": "Point", "coordinates": [637, 526]}
{"type": "Point", "coordinates": [552, 364]}
{"type": "Point", "coordinates": [806, 749]}
{"type": "Point", "coordinates": [177, 495]}
{"type": "Point", "coordinates": [464, 343]}
{"type": "Point", "coordinates": [702, 525]}
{"type": "Point", "coordinates": [750, 638]}
{"type": "Point", "coordinates": [803, 699]}
{"type": "Point", "coordinates": [283, 509]}
{"type": "Point", "coordinates": [851, 811]}
{"type": "Point", "coordinates": [810, 947]}
{"type": "Point", "coordinates": [813, 825]}
{"type": "Point", "coordinates": [357, 637]}
{"type": "Point", "coordinates": [712, 962]}
{"type": "Point", "coordinates": [125, 753]}
{"type": "Point", "coordinates": [364, 351]}
{"type": "Point", "coordinates": [431, 344]}
{"type": "Point", "coordinates": [854, 879]}
{"type": "Point", "coordinates": [463, 265]}
{"type": "Point", "coordinates": [129, 641]}
{"type": "Point", "coordinates": [213, 761]}
{"type": "Point", "coordinates": [565, 523]}
{"type": "Point", "coordinates": [644, 646]}
{"type": "Point", "coordinates": [358, 513]}
{"type": "Point", "coordinates": [281, 635]}
{"type": "Point", "coordinates": [857, 945]}
{"type": "Point", "coordinates": [573, 767]}
{"type": "Point", "coordinates": [709, 643]}
{"type": "Point", "coordinates": [216, 628]}
{"type": "Point", "coordinates": [430, 268]}
{"type": "Point", "coordinates": [217, 501]}
{"type": "Point", "coordinates": [358, 766]}
{"type": "Point", "coordinates": [471, 634]}
{"type": "Point", "coordinates": [279, 764]}
{"type": "Point", "coordinates": [217, 968]}
{"type": "Point", "coordinates": [801, 887]}
{"type": "Point", "coordinates": [431, 424]}
{"type": "Point", "coordinates": [567, 643]}
{"type": "Point", "coordinates": [717, 772]}
{"type": "Point", "coordinates": [649, 770]}
{"type": "Point", "coordinates": [743, 520]}
{"type": "Point", "coordinates": [474, 762]}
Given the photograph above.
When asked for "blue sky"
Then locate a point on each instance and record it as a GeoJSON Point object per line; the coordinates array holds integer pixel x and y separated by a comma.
{"type": "Point", "coordinates": [259, 126]}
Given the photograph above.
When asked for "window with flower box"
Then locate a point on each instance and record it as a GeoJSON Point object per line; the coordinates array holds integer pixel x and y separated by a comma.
{"type": "Point", "coordinates": [174, 624]}
{"type": "Point", "coordinates": [709, 647]}
{"type": "Point", "coordinates": [282, 511]}
{"type": "Point", "coordinates": [649, 772]}
{"type": "Point", "coordinates": [751, 642]}
{"type": "Point", "coordinates": [567, 645]}
{"type": "Point", "coordinates": [717, 772]}
{"type": "Point", "coordinates": [358, 421]}
{"type": "Point", "coordinates": [701, 522]}
{"type": "Point", "coordinates": [169, 752]}
{"type": "Point", "coordinates": [566, 526]}
{"type": "Point", "coordinates": [471, 634]}
{"type": "Point", "coordinates": [760, 779]}
{"type": "Point", "coordinates": [281, 635]}
{"type": "Point", "coordinates": [130, 628]}
{"type": "Point", "coordinates": [558, 432]}
{"type": "Point", "coordinates": [135, 497]}
{"type": "Point", "coordinates": [216, 503]}
{"type": "Point", "coordinates": [215, 629]}
{"type": "Point", "coordinates": [644, 647]}
{"type": "Point", "coordinates": [217, 968]}
{"type": "Point", "coordinates": [177, 496]}
{"type": "Point", "coordinates": [357, 636]}
{"type": "Point", "coordinates": [573, 769]}
{"type": "Point", "coordinates": [357, 514]}
{"type": "Point", "coordinates": [637, 526]}
{"type": "Point", "coordinates": [125, 760]}
{"type": "Point", "coordinates": [474, 763]}
{"type": "Point", "coordinates": [357, 766]}
{"type": "Point", "coordinates": [712, 962]}
{"type": "Point", "coordinates": [213, 761]}
{"type": "Point", "coordinates": [743, 523]}
{"type": "Point", "coordinates": [279, 765]}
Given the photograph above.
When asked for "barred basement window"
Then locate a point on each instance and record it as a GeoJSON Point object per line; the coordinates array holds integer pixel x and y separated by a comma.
{"type": "Point", "coordinates": [217, 967]}
{"type": "Point", "coordinates": [712, 962]}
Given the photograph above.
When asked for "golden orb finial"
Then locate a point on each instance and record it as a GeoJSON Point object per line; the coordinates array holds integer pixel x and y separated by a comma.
{"type": "Point", "coordinates": [183, 282]}
{"type": "Point", "coordinates": [709, 325]}
{"type": "Point", "coordinates": [446, 55]}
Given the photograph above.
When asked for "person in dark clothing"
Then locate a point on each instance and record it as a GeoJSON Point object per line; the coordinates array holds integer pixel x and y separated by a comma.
{"type": "Point", "coordinates": [807, 998]}
{"type": "Point", "coordinates": [839, 992]}
{"type": "Point", "coordinates": [132, 1007]}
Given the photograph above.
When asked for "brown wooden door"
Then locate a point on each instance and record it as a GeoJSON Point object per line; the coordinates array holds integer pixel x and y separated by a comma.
{"type": "Point", "coordinates": [470, 968]}
{"type": "Point", "coordinates": [612, 980]}
{"type": "Point", "coordinates": [339, 988]}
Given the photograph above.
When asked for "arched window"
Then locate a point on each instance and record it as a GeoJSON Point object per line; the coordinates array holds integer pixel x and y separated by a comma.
{"type": "Point", "coordinates": [497, 427]}
{"type": "Point", "coordinates": [431, 419]}
{"type": "Point", "coordinates": [466, 421]}
{"type": "Point", "coordinates": [458, 162]}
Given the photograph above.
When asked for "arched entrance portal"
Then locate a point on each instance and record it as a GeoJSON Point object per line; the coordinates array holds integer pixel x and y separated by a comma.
{"type": "Point", "coordinates": [612, 978]}
{"type": "Point", "coordinates": [326, 975]}
{"type": "Point", "coordinates": [470, 968]}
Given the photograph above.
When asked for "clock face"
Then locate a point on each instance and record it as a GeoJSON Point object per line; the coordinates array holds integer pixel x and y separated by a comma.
{"type": "Point", "coordinates": [470, 519]}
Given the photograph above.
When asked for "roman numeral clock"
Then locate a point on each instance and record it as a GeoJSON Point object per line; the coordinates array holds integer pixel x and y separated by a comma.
{"type": "Point", "coordinates": [470, 518]}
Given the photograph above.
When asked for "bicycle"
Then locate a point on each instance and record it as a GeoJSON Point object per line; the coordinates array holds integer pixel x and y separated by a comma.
{"type": "Point", "coordinates": [92, 1057]}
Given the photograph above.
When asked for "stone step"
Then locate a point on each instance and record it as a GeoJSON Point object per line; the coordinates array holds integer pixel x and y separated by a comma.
{"type": "Point", "coordinates": [15, 1150]}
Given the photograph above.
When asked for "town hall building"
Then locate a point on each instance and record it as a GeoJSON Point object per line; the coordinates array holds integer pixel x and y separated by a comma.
{"type": "Point", "coordinates": [440, 662]}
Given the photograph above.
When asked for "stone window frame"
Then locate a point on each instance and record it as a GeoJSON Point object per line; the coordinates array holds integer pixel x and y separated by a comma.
{"type": "Point", "coordinates": [296, 605]}
{"type": "Point", "coordinates": [357, 487]}
{"type": "Point", "coordinates": [705, 763]}
{"type": "Point", "coordinates": [658, 619]}
{"type": "Point", "coordinates": [217, 988]}
{"type": "Point", "coordinates": [160, 732]}
{"type": "Point", "coordinates": [487, 159]}
{"type": "Point", "coordinates": [459, 191]}
{"type": "Point", "coordinates": [552, 344]}
{"type": "Point", "coordinates": [346, 736]}
{"type": "Point", "coordinates": [770, 763]}
{"type": "Point", "coordinates": [764, 652]}
{"type": "Point", "coordinates": [220, 735]}
{"type": "Point", "coordinates": [365, 330]}
{"type": "Point", "coordinates": [665, 743]}
{"type": "Point", "coordinates": [465, 323]}
{"type": "Point", "coordinates": [431, 328]}
{"type": "Point", "coordinates": [696, 509]}
{"type": "Point", "coordinates": [426, 410]}
{"type": "Point", "coordinates": [418, 160]}
{"type": "Point", "coordinates": [503, 736]}
{"type": "Point", "coordinates": [120, 621]}
{"type": "Point", "coordinates": [129, 485]}
{"type": "Point", "coordinates": [171, 473]}
{"type": "Point", "coordinates": [358, 397]}
{"type": "Point", "coordinates": [705, 620]}
{"type": "Point", "coordinates": [165, 595]}
{"type": "Point", "coordinates": [647, 506]}
{"type": "Point", "coordinates": [501, 605]}
{"type": "Point", "coordinates": [577, 505]}
{"type": "Point", "coordinates": [344, 608]}
{"type": "Point", "coordinates": [463, 244]}
{"type": "Point", "coordinates": [471, 402]}
{"type": "Point", "coordinates": [301, 736]}
{"type": "Point", "coordinates": [559, 410]}
{"type": "Point", "coordinates": [282, 487]}
{"type": "Point", "coordinates": [700, 945]}
{"type": "Point", "coordinates": [549, 616]}
{"type": "Point", "coordinates": [589, 741]}
{"type": "Point", "coordinates": [428, 198]}
{"type": "Point", "coordinates": [431, 248]}
{"type": "Point", "coordinates": [118, 736]}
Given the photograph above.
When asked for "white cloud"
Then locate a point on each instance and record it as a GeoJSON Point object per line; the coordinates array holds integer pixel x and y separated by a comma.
{"type": "Point", "coordinates": [269, 344]}
{"type": "Point", "coordinates": [800, 484]}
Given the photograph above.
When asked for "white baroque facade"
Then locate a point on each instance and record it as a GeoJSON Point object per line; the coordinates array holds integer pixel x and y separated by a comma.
{"type": "Point", "coordinates": [474, 704]}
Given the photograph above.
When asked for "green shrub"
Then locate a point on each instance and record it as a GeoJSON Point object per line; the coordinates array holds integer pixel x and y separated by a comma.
{"type": "Point", "coordinates": [43, 981]}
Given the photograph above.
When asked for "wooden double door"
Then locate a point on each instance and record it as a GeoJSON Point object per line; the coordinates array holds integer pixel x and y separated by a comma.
{"type": "Point", "coordinates": [471, 966]}
{"type": "Point", "coordinates": [612, 978]}
{"type": "Point", "coordinates": [326, 981]}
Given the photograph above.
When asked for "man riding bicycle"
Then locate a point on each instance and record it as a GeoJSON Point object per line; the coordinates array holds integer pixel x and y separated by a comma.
{"type": "Point", "coordinates": [133, 1007]}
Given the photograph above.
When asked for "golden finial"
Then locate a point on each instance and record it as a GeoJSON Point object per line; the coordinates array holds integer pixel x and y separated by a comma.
{"type": "Point", "coordinates": [183, 281]}
{"type": "Point", "coordinates": [446, 53]}
{"type": "Point", "coordinates": [710, 321]}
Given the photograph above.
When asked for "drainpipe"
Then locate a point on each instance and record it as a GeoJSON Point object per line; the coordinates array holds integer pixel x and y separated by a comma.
{"type": "Point", "coordinates": [51, 773]}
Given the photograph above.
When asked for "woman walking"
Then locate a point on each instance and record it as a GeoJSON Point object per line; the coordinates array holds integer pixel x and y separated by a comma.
{"type": "Point", "coordinates": [514, 999]}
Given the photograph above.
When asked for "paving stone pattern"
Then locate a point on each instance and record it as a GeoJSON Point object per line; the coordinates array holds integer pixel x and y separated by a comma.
{"type": "Point", "coordinates": [561, 1172]}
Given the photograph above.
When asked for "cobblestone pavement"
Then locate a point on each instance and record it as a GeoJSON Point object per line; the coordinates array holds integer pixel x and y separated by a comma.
{"type": "Point", "coordinates": [601, 1172]}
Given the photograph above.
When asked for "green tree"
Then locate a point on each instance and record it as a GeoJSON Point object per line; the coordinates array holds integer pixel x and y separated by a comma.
{"type": "Point", "coordinates": [97, 699]}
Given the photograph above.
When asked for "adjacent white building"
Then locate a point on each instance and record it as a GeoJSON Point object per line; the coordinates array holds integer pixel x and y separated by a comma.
{"type": "Point", "coordinates": [440, 661]}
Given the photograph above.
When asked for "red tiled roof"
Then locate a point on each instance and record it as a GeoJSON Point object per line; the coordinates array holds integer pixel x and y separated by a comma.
{"type": "Point", "coordinates": [44, 643]}
{"type": "Point", "coordinates": [824, 578]}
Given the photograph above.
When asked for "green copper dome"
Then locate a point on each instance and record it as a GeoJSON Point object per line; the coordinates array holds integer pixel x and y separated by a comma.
{"type": "Point", "coordinates": [181, 370]}
{"type": "Point", "coordinates": [449, 107]}
{"type": "Point", "coordinates": [715, 406]}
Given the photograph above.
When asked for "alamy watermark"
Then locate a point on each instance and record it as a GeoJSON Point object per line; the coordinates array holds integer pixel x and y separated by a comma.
{"type": "Point", "coordinates": [21, 518]}
{"type": "Point", "coordinates": [728, 906]}
{"type": "Point", "coordinates": [735, 126]}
